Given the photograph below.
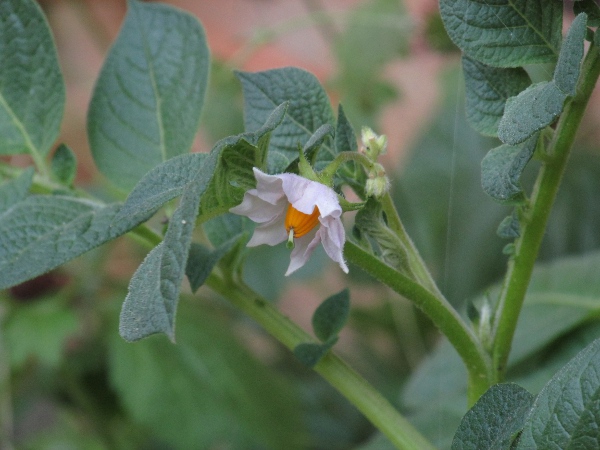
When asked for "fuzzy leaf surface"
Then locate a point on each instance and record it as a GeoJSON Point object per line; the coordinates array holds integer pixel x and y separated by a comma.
{"type": "Point", "coordinates": [331, 315]}
{"type": "Point", "coordinates": [487, 90]}
{"type": "Point", "coordinates": [505, 33]}
{"type": "Point", "coordinates": [32, 90]}
{"type": "Point", "coordinates": [309, 109]}
{"type": "Point", "coordinates": [148, 98]}
{"type": "Point", "coordinates": [42, 232]}
{"type": "Point", "coordinates": [566, 412]}
{"type": "Point", "coordinates": [15, 190]}
{"type": "Point", "coordinates": [501, 170]}
{"type": "Point", "coordinates": [495, 420]}
{"type": "Point", "coordinates": [64, 165]}
{"type": "Point", "coordinates": [568, 67]}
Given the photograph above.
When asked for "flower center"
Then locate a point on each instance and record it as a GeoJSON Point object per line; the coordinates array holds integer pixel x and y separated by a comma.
{"type": "Point", "coordinates": [298, 223]}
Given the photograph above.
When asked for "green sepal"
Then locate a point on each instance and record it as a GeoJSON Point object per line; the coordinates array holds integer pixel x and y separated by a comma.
{"type": "Point", "coordinates": [64, 165]}
{"type": "Point", "coordinates": [331, 315]}
{"type": "Point", "coordinates": [501, 171]}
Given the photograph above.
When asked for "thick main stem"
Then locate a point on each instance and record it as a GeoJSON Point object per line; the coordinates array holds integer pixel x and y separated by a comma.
{"type": "Point", "coordinates": [533, 227]}
{"type": "Point", "coordinates": [355, 388]}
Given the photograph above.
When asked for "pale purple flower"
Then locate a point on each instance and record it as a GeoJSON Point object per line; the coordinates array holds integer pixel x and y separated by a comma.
{"type": "Point", "coordinates": [290, 207]}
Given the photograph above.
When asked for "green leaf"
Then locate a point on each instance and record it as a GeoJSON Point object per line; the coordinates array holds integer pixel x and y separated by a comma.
{"type": "Point", "coordinates": [501, 170]}
{"type": "Point", "coordinates": [148, 98]}
{"type": "Point", "coordinates": [14, 191]}
{"type": "Point", "coordinates": [151, 302]}
{"type": "Point", "coordinates": [566, 412]}
{"type": "Point", "coordinates": [310, 353]}
{"type": "Point", "coordinates": [64, 165]}
{"type": "Point", "coordinates": [308, 110]}
{"type": "Point", "coordinates": [487, 90]}
{"type": "Point", "coordinates": [161, 184]}
{"type": "Point", "coordinates": [510, 227]}
{"type": "Point", "coordinates": [207, 391]}
{"type": "Point", "coordinates": [591, 8]}
{"type": "Point", "coordinates": [505, 33]}
{"type": "Point", "coordinates": [319, 137]}
{"type": "Point", "coordinates": [42, 232]}
{"type": "Point", "coordinates": [568, 67]}
{"type": "Point", "coordinates": [331, 315]}
{"type": "Point", "coordinates": [39, 331]}
{"type": "Point", "coordinates": [202, 260]}
{"type": "Point", "coordinates": [32, 90]}
{"type": "Point", "coordinates": [530, 111]}
{"type": "Point", "coordinates": [495, 420]}
{"type": "Point", "coordinates": [226, 227]}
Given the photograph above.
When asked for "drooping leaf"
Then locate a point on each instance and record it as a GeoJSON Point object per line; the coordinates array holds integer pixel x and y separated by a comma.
{"type": "Point", "coordinates": [566, 412]}
{"type": "Point", "coordinates": [530, 111]}
{"type": "Point", "coordinates": [331, 315]}
{"type": "Point", "coordinates": [495, 420]}
{"type": "Point", "coordinates": [501, 170]}
{"type": "Point", "coordinates": [32, 90]}
{"type": "Point", "coordinates": [568, 66]}
{"type": "Point", "coordinates": [14, 191]}
{"type": "Point", "coordinates": [308, 110]}
{"type": "Point", "coordinates": [42, 232]}
{"type": "Point", "coordinates": [206, 391]}
{"type": "Point", "coordinates": [64, 165]}
{"type": "Point", "coordinates": [487, 90]}
{"type": "Point", "coordinates": [505, 33]}
{"type": "Point", "coordinates": [148, 98]}
{"type": "Point", "coordinates": [202, 260]}
{"type": "Point", "coordinates": [151, 302]}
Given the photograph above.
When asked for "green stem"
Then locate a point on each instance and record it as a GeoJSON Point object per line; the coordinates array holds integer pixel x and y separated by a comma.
{"type": "Point", "coordinates": [443, 315]}
{"type": "Point", "coordinates": [533, 225]}
{"type": "Point", "coordinates": [355, 388]}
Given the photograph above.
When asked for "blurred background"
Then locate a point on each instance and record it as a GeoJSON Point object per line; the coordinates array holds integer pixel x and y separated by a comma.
{"type": "Point", "coordinates": [68, 381]}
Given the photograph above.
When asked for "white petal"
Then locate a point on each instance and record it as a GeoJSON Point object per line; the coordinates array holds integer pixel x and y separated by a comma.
{"type": "Point", "coordinates": [271, 233]}
{"type": "Point", "coordinates": [268, 187]}
{"type": "Point", "coordinates": [257, 209]}
{"type": "Point", "coordinates": [303, 248]}
{"type": "Point", "coordinates": [333, 237]}
{"type": "Point", "coordinates": [305, 194]}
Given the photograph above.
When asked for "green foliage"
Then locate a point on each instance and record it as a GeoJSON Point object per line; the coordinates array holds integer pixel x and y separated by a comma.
{"type": "Point", "coordinates": [495, 420]}
{"type": "Point", "coordinates": [64, 165]}
{"type": "Point", "coordinates": [568, 66]}
{"type": "Point", "coordinates": [15, 191]}
{"type": "Point", "coordinates": [501, 171]}
{"type": "Point", "coordinates": [29, 70]}
{"type": "Point", "coordinates": [331, 315]}
{"type": "Point", "coordinates": [591, 8]}
{"type": "Point", "coordinates": [505, 33]}
{"type": "Point", "coordinates": [487, 90]}
{"type": "Point", "coordinates": [566, 412]}
{"type": "Point", "coordinates": [42, 232]}
{"type": "Point", "coordinates": [198, 394]}
{"type": "Point", "coordinates": [147, 101]}
{"type": "Point", "coordinates": [510, 227]}
{"type": "Point", "coordinates": [308, 110]}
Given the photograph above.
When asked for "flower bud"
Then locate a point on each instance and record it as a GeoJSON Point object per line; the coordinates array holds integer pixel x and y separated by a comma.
{"type": "Point", "coordinates": [377, 183]}
{"type": "Point", "coordinates": [373, 144]}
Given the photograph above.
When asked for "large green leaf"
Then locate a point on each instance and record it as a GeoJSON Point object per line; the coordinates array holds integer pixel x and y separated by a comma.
{"type": "Point", "coordinates": [14, 191]}
{"type": "Point", "coordinates": [207, 391]}
{"type": "Point", "coordinates": [487, 89]}
{"type": "Point", "coordinates": [151, 302]}
{"type": "Point", "coordinates": [308, 110]}
{"type": "Point", "coordinates": [566, 413]}
{"type": "Point", "coordinates": [43, 232]}
{"type": "Point", "coordinates": [505, 33]}
{"type": "Point", "coordinates": [32, 90]}
{"type": "Point", "coordinates": [147, 101]}
{"type": "Point", "coordinates": [495, 420]}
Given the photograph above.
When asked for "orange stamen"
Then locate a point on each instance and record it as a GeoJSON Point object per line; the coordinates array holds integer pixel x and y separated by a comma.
{"type": "Point", "coordinates": [299, 222]}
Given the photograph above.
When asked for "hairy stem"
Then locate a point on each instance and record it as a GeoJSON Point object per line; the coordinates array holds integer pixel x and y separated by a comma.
{"type": "Point", "coordinates": [355, 388]}
{"type": "Point", "coordinates": [533, 225]}
{"type": "Point", "coordinates": [443, 315]}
